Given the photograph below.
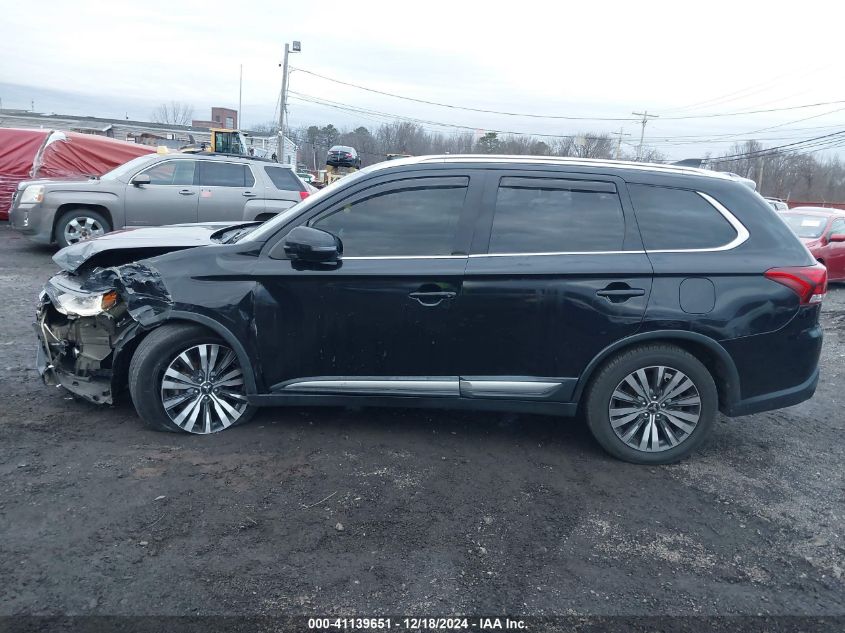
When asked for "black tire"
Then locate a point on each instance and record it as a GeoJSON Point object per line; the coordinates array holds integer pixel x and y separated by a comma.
{"type": "Point", "coordinates": [149, 363]}
{"type": "Point", "coordinates": [601, 390]}
{"type": "Point", "coordinates": [79, 215]}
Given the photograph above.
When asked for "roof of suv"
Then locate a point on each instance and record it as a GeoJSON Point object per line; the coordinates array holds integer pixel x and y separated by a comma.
{"type": "Point", "coordinates": [219, 157]}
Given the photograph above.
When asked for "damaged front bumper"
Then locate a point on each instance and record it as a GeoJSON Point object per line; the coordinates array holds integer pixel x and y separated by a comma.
{"type": "Point", "coordinates": [85, 353]}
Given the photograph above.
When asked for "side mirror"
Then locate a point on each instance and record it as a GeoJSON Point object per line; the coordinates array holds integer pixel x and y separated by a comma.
{"type": "Point", "coordinates": [837, 237]}
{"type": "Point", "coordinates": [306, 244]}
{"type": "Point", "coordinates": [141, 179]}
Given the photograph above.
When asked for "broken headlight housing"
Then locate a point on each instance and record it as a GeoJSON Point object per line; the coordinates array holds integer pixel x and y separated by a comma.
{"type": "Point", "coordinates": [84, 305]}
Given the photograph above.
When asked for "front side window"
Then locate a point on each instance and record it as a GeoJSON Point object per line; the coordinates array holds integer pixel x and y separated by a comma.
{"type": "Point", "coordinates": [678, 219]}
{"type": "Point", "coordinates": [837, 228]}
{"type": "Point", "coordinates": [172, 172]}
{"type": "Point", "coordinates": [214, 174]}
{"type": "Point", "coordinates": [544, 215]}
{"type": "Point", "coordinates": [419, 219]}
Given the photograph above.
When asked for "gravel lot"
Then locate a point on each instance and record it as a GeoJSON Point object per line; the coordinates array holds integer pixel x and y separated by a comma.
{"type": "Point", "coordinates": [365, 512]}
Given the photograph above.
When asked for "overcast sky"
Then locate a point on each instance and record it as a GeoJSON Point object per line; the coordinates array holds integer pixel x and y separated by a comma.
{"type": "Point", "coordinates": [578, 59]}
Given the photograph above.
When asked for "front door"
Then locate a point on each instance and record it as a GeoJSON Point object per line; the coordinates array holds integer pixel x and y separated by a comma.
{"type": "Point", "coordinates": [557, 273]}
{"type": "Point", "coordinates": [170, 197]}
{"type": "Point", "coordinates": [382, 321]}
{"type": "Point", "coordinates": [225, 189]}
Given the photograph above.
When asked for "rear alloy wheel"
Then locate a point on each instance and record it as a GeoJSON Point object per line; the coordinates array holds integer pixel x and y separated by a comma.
{"type": "Point", "coordinates": [654, 408]}
{"type": "Point", "coordinates": [654, 404]}
{"type": "Point", "coordinates": [182, 378]}
{"type": "Point", "coordinates": [80, 225]}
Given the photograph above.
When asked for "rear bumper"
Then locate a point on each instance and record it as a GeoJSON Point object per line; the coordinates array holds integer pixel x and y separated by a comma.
{"type": "Point", "coordinates": [775, 400]}
{"type": "Point", "coordinates": [777, 369]}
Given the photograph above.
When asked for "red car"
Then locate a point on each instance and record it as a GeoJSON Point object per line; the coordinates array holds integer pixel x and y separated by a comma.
{"type": "Point", "coordinates": [823, 231]}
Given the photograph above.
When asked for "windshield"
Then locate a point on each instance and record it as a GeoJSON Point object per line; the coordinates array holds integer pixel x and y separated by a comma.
{"type": "Point", "coordinates": [806, 226]}
{"type": "Point", "coordinates": [267, 229]}
{"type": "Point", "coordinates": [126, 168]}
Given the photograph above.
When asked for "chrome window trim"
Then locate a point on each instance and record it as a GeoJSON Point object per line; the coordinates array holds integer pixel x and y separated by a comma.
{"type": "Point", "coordinates": [640, 252]}
{"type": "Point", "coordinates": [741, 232]}
{"type": "Point", "coordinates": [742, 235]}
{"type": "Point", "coordinates": [357, 257]}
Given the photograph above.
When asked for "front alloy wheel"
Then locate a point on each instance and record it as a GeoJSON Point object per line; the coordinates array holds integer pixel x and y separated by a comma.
{"type": "Point", "coordinates": [202, 390]}
{"type": "Point", "coordinates": [82, 228]}
{"type": "Point", "coordinates": [184, 378]}
{"type": "Point", "coordinates": [655, 408]}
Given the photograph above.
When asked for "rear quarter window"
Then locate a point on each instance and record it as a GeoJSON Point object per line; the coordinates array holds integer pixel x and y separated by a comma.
{"type": "Point", "coordinates": [678, 219]}
{"type": "Point", "coordinates": [283, 179]}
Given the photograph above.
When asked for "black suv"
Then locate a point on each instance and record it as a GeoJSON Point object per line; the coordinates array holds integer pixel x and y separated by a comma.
{"type": "Point", "coordinates": [646, 297]}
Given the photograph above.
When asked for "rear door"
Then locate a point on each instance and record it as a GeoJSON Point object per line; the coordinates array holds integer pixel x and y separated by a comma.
{"type": "Point", "coordinates": [225, 188]}
{"type": "Point", "coordinates": [557, 273]}
{"type": "Point", "coordinates": [170, 198]}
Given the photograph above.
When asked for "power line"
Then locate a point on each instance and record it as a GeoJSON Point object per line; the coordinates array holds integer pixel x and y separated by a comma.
{"type": "Point", "coordinates": [562, 117]}
{"type": "Point", "coordinates": [810, 142]}
{"type": "Point", "coordinates": [457, 107]}
{"type": "Point", "coordinates": [349, 108]}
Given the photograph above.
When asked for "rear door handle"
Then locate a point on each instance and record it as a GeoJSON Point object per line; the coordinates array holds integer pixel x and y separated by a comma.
{"type": "Point", "coordinates": [431, 298]}
{"type": "Point", "coordinates": [616, 294]}
{"type": "Point", "coordinates": [186, 192]}
{"type": "Point", "coordinates": [248, 194]}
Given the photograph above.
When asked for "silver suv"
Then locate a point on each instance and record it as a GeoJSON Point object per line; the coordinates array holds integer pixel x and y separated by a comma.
{"type": "Point", "coordinates": [152, 191]}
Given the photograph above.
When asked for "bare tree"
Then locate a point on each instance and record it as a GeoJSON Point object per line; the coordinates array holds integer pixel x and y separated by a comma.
{"type": "Point", "coordinates": [173, 113]}
{"type": "Point", "coordinates": [269, 128]}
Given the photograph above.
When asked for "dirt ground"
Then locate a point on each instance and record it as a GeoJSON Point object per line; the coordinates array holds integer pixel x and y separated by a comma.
{"type": "Point", "coordinates": [366, 512]}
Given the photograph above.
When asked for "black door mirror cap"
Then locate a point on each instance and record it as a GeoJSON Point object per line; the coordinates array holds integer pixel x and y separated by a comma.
{"type": "Point", "coordinates": [307, 244]}
{"type": "Point", "coordinates": [141, 179]}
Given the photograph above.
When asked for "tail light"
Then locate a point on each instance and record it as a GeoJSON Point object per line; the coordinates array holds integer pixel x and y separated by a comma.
{"type": "Point", "coordinates": [304, 194]}
{"type": "Point", "coordinates": [808, 282]}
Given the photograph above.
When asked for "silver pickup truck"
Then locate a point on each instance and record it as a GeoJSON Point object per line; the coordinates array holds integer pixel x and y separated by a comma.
{"type": "Point", "coordinates": [155, 190]}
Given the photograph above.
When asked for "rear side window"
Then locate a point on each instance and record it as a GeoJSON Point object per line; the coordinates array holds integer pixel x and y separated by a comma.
{"type": "Point", "coordinates": [283, 179]}
{"type": "Point", "coordinates": [214, 174]}
{"type": "Point", "coordinates": [678, 219]}
{"type": "Point", "coordinates": [543, 215]}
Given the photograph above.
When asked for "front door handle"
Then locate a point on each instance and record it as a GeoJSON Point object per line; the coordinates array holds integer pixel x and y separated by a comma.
{"type": "Point", "coordinates": [186, 192]}
{"type": "Point", "coordinates": [431, 298]}
{"type": "Point", "coordinates": [248, 194]}
{"type": "Point", "coordinates": [619, 293]}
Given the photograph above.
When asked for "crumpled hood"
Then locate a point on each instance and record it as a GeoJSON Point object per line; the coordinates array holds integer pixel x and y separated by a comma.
{"type": "Point", "coordinates": [120, 247]}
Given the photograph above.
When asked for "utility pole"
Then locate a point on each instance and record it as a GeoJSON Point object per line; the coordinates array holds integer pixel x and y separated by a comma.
{"type": "Point", "coordinates": [645, 116]}
{"type": "Point", "coordinates": [283, 101]}
{"type": "Point", "coordinates": [619, 142]}
{"type": "Point", "coordinates": [240, 97]}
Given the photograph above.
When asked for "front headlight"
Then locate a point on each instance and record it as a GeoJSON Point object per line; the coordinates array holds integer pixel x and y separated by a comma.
{"type": "Point", "coordinates": [86, 306]}
{"type": "Point", "coordinates": [32, 194]}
